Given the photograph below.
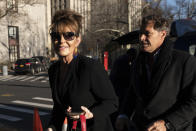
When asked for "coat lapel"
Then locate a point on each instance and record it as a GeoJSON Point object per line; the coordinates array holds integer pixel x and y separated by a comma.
{"type": "Point", "coordinates": [160, 67]}
{"type": "Point", "coordinates": [136, 78]}
{"type": "Point", "coordinates": [55, 81]}
{"type": "Point", "coordinates": [60, 92]}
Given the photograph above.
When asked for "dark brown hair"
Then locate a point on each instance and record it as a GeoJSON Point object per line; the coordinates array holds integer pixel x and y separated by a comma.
{"type": "Point", "coordinates": [66, 18]}
{"type": "Point", "coordinates": [160, 23]}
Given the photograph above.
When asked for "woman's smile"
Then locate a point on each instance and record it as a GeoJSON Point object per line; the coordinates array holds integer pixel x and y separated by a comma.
{"type": "Point", "coordinates": [63, 47]}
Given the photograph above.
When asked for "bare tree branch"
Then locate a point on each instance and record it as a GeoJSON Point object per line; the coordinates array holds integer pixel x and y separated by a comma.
{"type": "Point", "coordinates": [4, 11]}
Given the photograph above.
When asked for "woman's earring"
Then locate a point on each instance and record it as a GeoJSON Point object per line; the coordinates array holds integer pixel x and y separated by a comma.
{"type": "Point", "coordinates": [75, 52]}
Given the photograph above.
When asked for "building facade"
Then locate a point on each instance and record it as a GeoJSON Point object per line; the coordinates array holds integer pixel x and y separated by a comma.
{"type": "Point", "coordinates": [24, 29]}
{"type": "Point", "coordinates": [112, 19]}
{"type": "Point", "coordinates": [134, 14]}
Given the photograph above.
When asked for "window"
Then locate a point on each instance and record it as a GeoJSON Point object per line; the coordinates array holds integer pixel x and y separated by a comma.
{"type": "Point", "coordinates": [12, 5]}
{"type": "Point", "coordinates": [13, 43]}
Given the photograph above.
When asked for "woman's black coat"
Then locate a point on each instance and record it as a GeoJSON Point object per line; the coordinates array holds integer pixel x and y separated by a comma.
{"type": "Point", "coordinates": [172, 94]}
{"type": "Point", "coordinates": [86, 84]}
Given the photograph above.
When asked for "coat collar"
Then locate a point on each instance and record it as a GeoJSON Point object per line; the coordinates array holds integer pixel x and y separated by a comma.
{"type": "Point", "coordinates": [59, 92]}
{"type": "Point", "coordinates": [159, 67]}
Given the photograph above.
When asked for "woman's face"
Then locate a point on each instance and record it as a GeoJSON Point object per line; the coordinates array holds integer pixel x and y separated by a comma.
{"type": "Point", "coordinates": [65, 42]}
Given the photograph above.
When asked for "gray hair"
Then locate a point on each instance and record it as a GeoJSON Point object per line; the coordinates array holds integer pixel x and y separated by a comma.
{"type": "Point", "coordinates": [160, 23]}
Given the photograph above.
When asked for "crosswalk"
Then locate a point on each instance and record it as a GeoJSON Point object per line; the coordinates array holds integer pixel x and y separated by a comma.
{"type": "Point", "coordinates": [24, 78]}
{"type": "Point", "coordinates": [22, 108]}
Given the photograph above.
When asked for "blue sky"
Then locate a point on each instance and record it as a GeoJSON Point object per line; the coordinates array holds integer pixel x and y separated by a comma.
{"type": "Point", "coordinates": [172, 2]}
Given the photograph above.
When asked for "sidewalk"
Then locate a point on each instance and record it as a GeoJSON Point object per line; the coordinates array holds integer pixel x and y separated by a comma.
{"type": "Point", "coordinates": [10, 72]}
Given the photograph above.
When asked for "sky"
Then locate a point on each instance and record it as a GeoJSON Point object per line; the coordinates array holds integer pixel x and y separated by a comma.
{"type": "Point", "coordinates": [171, 2]}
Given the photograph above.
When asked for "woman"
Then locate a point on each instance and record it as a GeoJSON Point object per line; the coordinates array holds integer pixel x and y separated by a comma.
{"type": "Point", "coordinates": [77, 82]}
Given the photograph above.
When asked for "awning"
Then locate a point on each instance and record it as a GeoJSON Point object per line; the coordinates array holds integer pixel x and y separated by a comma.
{"type": "Point", "coordinates": [129, 38]}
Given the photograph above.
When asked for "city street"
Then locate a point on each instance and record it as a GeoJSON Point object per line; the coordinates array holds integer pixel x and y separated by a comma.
{"type": "Point", "coordinates": [19, 94]}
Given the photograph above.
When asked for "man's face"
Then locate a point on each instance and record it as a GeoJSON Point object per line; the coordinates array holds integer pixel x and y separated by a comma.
{"type": "Point", "coordinates": [151, 39]}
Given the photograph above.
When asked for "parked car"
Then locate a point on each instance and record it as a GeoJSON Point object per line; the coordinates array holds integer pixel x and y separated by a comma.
{"type": "Point", "coordinates": [184, 31]}
{"type": "Point", "coordinates": [27, 65]}
{"type": "Point", "coordinates": [45, 62]}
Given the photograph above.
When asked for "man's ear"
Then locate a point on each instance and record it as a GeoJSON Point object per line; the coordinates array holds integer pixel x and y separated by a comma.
{"type": "Point", "coordinates": [164, 33]}
{"type": "Point", "coordinates": [78, 40]}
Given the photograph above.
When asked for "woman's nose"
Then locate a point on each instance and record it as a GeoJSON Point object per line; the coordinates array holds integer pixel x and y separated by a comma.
{"type": "Point", "coordinates": [62, 39]}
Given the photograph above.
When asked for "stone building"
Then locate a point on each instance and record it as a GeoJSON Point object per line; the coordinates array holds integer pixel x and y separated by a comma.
{"type": "Point", "coordinates": [24, 29]}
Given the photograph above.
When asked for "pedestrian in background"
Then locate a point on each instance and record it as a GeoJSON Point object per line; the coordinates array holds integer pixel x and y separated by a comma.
{"type": "Point", "coordinates": [162, 94]}
{"type": "Point", "coordinates": [120, 76]}
{"type": "Point", "coordinates": [79, 84]}
{"type": "Point", "coordinates": [120, 73]}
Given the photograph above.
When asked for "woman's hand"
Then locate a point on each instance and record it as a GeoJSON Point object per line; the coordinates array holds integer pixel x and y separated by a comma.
{"type": "Point", "coordinates": [72, 115]}
{"type": "Point", "coordinates": [88, 114]}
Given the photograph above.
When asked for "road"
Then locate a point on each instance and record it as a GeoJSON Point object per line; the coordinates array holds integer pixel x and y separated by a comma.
{"type": "Point", "coordinates": [19, 95]}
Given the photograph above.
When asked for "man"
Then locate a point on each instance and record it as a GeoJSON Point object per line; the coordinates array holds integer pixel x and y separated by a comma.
{"type": "Point", "coordinates": [120, 76]}
{"type": "Point", "coordinates": [120, 73]}
{"type": "Point", "coordinates": [162, 94]}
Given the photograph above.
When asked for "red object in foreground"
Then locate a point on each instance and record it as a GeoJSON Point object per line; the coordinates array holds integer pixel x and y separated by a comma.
{"type": "Point", "coordinates": [106, 60]}
{"type": "Point", "coordinates": [74, 126]}
{"type": "Point", "coordinates": [83, 122]}
{"type": "Point", "coordinates": [37, 124]}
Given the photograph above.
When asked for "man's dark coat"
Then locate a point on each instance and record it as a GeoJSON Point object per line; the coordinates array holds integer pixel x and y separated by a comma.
{"type": "Point", "coordinates": [86, 84]}
{"type": "Point", "coordinates": [170, 94]}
